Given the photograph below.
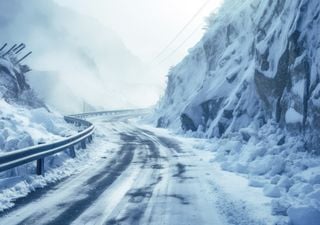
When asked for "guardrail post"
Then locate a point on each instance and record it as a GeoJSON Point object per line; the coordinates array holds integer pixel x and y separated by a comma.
{"type": "Point", "coordinates": [83, 144]}
{"type": "Point", "coordinates": [90, 138]}
{"type": "Point", "coordinates": [72, 152]}
{"type": "Point", "coordinates": [40, 166]}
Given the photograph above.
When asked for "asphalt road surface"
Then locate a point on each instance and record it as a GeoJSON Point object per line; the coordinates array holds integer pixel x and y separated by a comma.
{"type": "Point", "coordinates": [148, 179]}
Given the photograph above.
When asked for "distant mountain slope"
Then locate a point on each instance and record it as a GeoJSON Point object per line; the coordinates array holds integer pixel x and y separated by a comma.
{"type": "Point", "coordinates": [78, 52]}
{"type": "Point", "coordinates": [258, 61]}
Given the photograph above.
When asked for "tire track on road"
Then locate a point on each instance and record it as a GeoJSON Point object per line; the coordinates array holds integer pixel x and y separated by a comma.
{"type": "Point", "coordinates": [95, 185]}
{"type": "Point", "coordinates": [137, 199]}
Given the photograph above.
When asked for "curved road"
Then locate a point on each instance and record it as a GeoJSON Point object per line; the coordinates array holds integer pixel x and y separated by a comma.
{"type": "Point", "coordinates": [147, 179]}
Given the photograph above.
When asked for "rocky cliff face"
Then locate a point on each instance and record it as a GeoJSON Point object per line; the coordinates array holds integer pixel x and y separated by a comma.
{"type": "Point", "coordinates": [258, 61]}
{"type": "Point", "coordinates": [13, 85]}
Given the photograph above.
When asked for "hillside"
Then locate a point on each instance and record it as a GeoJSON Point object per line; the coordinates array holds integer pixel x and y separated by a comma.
{"type": "Point", "coordinates": [254, 64]}
{"type": "Point", "coordinates": [73, 53]}
{"type": "Point", "coordinates": [251, 84]}
{"type": "Point", "coordinates": [25, 120]}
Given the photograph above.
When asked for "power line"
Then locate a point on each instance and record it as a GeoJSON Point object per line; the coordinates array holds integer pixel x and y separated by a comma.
{"type": "Point", "coordinates": [182, 43]}
{"type": "Point", "coordinates": [181, 31]}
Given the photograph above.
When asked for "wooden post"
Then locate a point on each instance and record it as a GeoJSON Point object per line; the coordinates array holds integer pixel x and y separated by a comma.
{"type": "Point", "coordinates": [16, 48]}
{"type": "Point", "coordinates": [5, 45]}
{"type": "Point", "coordinates": [21, 47]}
{"type": "Point", "coordinates": [9, 50]}
{"type": "Point", "coordinates": [20, 60]}
{"type": "Point", "coordinates": [72, 152]}
{"type": "Point", "coordinates": [40, 167]}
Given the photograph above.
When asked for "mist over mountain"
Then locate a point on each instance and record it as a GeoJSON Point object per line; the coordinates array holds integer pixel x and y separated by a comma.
{"type": "Point", "coordinates": [75, 58]}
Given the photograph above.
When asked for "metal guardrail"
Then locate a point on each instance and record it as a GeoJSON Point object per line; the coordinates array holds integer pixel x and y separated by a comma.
{"type": "Point", "coordinates": [38, 153]}
{"type": "Point", "coordinates": [100, 113]}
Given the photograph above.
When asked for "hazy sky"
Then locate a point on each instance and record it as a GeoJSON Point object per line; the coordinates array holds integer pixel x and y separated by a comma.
{"type": "Point", "coordinates": [146, 26]}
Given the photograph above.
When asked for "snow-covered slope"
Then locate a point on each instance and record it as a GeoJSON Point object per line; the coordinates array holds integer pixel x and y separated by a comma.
{"type": "Point", "coordinates": [24, 118]}
{"type": "Point", "coordinates": [26, 121]}
{"type": "Point", "coordinates": [259, 60]}
{"type": "Point", "coordinates": [252, 85]}
{"type": "Point", "coordinates": [73, 54]}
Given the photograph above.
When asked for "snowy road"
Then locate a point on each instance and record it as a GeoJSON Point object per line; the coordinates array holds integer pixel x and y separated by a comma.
{"type": "Point", "coordinates": [143, 178]}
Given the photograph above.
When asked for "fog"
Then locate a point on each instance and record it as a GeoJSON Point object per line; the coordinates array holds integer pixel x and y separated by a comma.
{"type": "Point", "coordinates": [94, 55]}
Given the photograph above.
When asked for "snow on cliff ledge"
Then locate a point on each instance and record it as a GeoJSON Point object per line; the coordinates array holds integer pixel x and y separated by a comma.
{"type": "Point", "coordinates": [259, 60]}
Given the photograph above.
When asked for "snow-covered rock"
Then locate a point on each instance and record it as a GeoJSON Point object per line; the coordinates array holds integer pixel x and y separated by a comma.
{"type": "Point", "coordinates": [300, 189]}
{"type": "Point", "coordinates": [279, 207]}
{"type": "Point", "coordinates": [314, 196]}
{"type": "Point", "coordinates": [255, 182]}
{"type": "Point", "coordinates": [292, 116]}
{"type": "Point", "coordinates": [2, 142]}
{"type": "Point", "coordinates": [315, 179]}
{"type": "Point", "coordinates": [13, 85]}
{"type": "Point", "coordinates": [304, 215]}
{"type": "Point", "coordinates": [25, 141]}
{"type": "Point", "coordinates": [272, 191]}
{"type": "Point", "coordinates": [285, 182]}
{"type": "Point", "coordinates": [11, 144]}
{"type": "Point", "coordinates": [261, 166]}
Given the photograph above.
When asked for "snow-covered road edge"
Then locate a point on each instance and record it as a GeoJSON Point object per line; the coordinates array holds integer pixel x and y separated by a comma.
{"type": "Point", "coordinates": [239, 202]}
{"type": "Point", "coordinates": [57, 168]}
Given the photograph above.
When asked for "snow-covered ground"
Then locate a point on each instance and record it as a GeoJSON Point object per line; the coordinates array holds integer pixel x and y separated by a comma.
{"type": "Point", "coordinates": [278, 167]}
{"type": "Point", "coordinates": [137, 174]}
{"type": "Point", "coordinates": [234, 198]}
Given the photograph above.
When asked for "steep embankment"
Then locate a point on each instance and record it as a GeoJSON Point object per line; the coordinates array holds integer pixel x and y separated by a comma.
{"type": "Point", "coordinates": [252, 85]}
{"type": "Point", "coordinates": [258, 61]}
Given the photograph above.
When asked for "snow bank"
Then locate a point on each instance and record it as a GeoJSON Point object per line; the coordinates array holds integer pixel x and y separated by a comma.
{"type": "Point", "coordinates": [285, 173]}
{"type": "Point", "coordinates": [21, 127]}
